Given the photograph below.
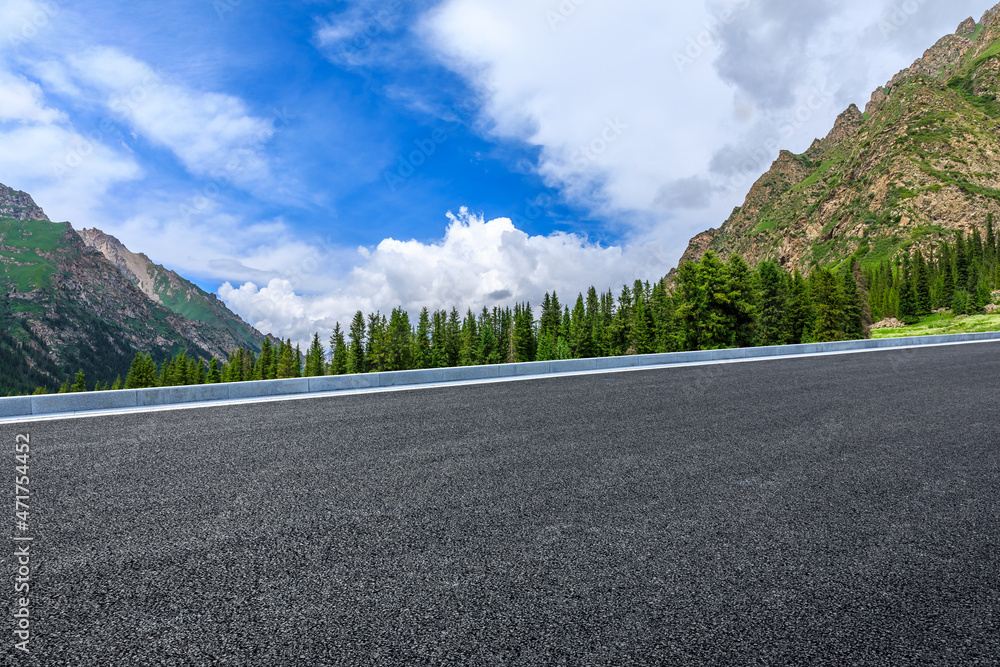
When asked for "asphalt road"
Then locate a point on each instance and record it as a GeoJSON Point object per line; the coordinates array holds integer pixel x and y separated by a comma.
{"type": "Point", "coordinates": [824, 511]}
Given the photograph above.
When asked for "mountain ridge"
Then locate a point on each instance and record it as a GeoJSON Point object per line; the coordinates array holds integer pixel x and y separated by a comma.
{"type": "Point", "coordinates": [65, 307]}
{"type": "Point", "coordinates": [919, 164]}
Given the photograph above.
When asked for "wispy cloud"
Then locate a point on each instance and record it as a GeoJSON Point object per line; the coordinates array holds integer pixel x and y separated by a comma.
{"type": "Point", "coordinates": [209, 132]}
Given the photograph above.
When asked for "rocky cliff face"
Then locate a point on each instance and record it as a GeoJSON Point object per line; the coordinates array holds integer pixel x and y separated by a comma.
{"type": "Point", "coordinates": [65, 307]}
{"type": "Point", "coordinates": [213, 325]}
{"type": "Point", "coordinates": [18, 205]}
{"type": "Point", "coordinates": [921, 162]}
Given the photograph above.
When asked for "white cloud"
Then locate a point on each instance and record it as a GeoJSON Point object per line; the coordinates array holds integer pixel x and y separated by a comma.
{"type": "Point", "coordinates": [210, 133]}
{"type": "Point", "coordinates": [22, 100]}
{"type": "Point", "coordinates": [629, 102]}
{"type": "Point", "coordinates": [65, 171]}
{"type": "Point", "coordinates": [24, 20]}
{"type": "Point", "coordinates": [477, 263]}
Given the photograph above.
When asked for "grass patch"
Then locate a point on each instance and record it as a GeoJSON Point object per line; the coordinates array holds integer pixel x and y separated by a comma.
{"type": "Point", "coordinates": [988, 104]}
{"type": "Point", "coordinates": [817, 174]}
{"type": "Point", "coordinates": [764, 225]}
{"type": "Point", "coordinates": [956, 179]}
{"type": "Point", "coordinates": [943, 323]}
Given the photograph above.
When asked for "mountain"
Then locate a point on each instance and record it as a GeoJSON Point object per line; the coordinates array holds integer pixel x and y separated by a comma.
{"type": "Point", "coordinates": [174, 292]}
{"type": "Point", "coordinates": [921, 162]}
{"type": "Point", "coordinates": [64, 306]}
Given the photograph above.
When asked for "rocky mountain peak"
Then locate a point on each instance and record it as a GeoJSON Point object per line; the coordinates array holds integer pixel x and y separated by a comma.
{"type": "Point", "coordinates": [19, 205]}
{"type": "Point", "coordinates": [966, 28]}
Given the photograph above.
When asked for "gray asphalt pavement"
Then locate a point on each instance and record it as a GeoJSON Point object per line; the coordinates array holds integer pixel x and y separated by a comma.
{"type": "Point", "coordinates": [820, 511]}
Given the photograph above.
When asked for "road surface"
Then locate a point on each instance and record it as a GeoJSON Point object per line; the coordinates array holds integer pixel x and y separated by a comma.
{"type": "Point", "coordinates": [828, 510]}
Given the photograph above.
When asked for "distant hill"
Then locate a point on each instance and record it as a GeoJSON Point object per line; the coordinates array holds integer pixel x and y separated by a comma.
{"type": "Point", "coordinates": [64, 306]}
{"type": "Point", "coordinates": [177, 294]}
{"type": "Point", "coordinates": [920, 163]}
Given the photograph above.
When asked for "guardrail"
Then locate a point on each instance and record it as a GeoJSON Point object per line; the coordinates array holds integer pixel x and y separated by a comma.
{"type": "Point", "coordinates": [54, 404]}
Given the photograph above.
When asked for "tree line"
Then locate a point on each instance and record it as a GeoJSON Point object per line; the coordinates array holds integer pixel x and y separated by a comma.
{"type": "Point", "coordinates": [959, 276]}
{"type": "Point", "coordinates": [712, 305]}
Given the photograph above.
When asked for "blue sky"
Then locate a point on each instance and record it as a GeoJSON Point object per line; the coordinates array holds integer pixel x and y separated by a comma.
{"type": "Point", "coordinates": [308, 159]}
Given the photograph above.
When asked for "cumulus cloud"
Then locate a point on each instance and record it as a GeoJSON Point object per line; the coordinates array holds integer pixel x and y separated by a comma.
{"type": "Point", "coordinates": [477, 263]}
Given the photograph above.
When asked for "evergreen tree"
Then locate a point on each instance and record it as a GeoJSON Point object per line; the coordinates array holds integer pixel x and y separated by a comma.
{"type": "Point", "coordinates": [142, 373]}
{"type": "Point", "coordinates": [742, 301]}
{"type": "Point", "coordinates": [773, 304]}
{"type": "Point", "coordinates": [662, 311]}
{"type": "Point", "coordinates": [118, 384]}
{"type": "Point", "coordinates": [286, 357]}
{"type": "Point", "coordinates": [80, 383]}
{"type": "Point", "coordinates": [422, 354]}
{"type": "Point", "coordinates": [316, 355]}
{"type": "Point", "coordinates": [357, 357]}
{"type": "Point", "coordinates": [400, 344]}
{"type": "Point", "coordinates": [340, 364]}
{"type": "Point", "coordinates": [523, 335]}
{"type": "Point", "coordinates": [377, 354]}
{"type": "Point", "coordinates": [907, 296]}
{"type": "Point", "coordinates": [214, 375]}
{"type": "Point", "coordinates": [853, 308]}
{"type": "Point", "coordinates": [801, 315]}
{"type": "Point", "coordinates": [581, 343]}
{"type": "Point", "coordinates": [262, 368]}
{"type": "Point", "coordinates": [921, 283]}
{"type": "Point", "coordinates": [828, 300]}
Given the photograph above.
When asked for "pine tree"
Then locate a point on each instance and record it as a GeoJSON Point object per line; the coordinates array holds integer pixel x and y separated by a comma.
{"type": "Point", "coordinates": [523, 335]}
{"type": "Point", "coordinates": [142, 373]}
{"type": "Point", "coordinates": [853, 309]}
{"type": "Point", "coordinates": [262, 368]}
{"type": "Point", "coordinates": [316, 357]}
{"type": "Point", "coordinates": [908, 296]}
{"type": "Point", "coordinates": [214, 376]}
{"type": "Point", "coordinates": [580, 341]}
{"type": "Point", "coordinates": [340, 362]}
{"type": "Point", "coordinates": [118, 384]}
{"type": "Point", "coordinates": [80, 383]}
{"type": "Point", "coordinates": [286, 357]}
{"type": "Point", "coordinates": [377, 354]}
{"type": "Point", "coordinates": [399, 341]}
{"type": "Point", "coordinates": [828, 299]}
{"type": "Point", "coordinates": [921, 283]}
{"type": "Point", "coordinates": [773, 304]}
{"type": "Point", "coordinates": [357, 357]}
{"type": "Point", "coordinates": [742, 301]}
{"type": "Point", "coordinates": [801, 314]}
{"type": "Point", "coordinates": [422, 355]}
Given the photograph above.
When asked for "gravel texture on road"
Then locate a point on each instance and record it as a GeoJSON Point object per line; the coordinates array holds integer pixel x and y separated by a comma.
{"type": "Point", "coordinates": [821, 511]}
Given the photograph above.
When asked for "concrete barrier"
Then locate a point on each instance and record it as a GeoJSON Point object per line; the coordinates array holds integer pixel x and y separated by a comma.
{"type": "Point", "coordinates": [54, 404]}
